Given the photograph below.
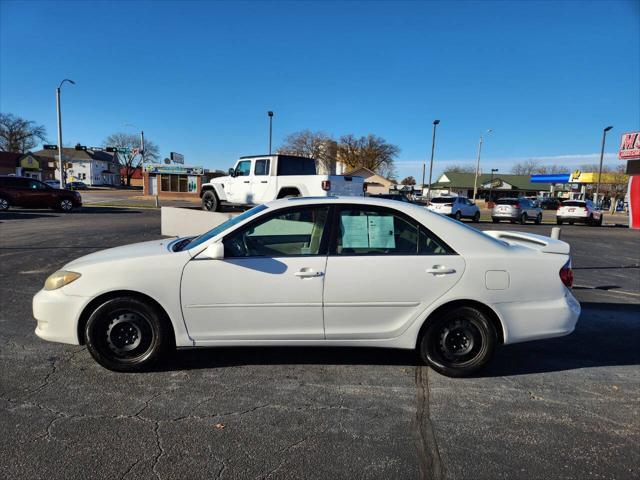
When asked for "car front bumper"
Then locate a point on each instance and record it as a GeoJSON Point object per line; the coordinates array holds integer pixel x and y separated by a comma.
{"type": "Point", "coordinates": [57, 315]}
{"type": "Point", "coordinates": [525, 321]}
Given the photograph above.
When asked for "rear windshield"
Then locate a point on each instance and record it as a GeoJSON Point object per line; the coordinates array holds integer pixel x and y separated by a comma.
{"type": "Point", "coordinates": [288, 165]}
{"type": "Point", "coordinates": [573, 203]}
{"type": "Point", "coordinates": [507, 201]}
{"type": "Point", "coordinates": [442, 200]}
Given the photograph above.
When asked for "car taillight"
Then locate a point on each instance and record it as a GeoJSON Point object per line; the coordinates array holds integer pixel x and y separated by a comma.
{"type": "Point", "coordinates": [326, 185]}
{"type": "Point", "coordinates": [566, 275]}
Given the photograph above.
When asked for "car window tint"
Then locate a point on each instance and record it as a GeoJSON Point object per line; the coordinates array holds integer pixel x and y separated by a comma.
{"type": "Point", "coordinates": [35, 185]}
{"type": "Point", "coordinates": [261, 168]}
{"type": "Point", "coordinates": [289, 233]}
{"type": "Point", "coordinates": [244, 168]}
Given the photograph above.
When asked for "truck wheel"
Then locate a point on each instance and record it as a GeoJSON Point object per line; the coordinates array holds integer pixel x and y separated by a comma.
{"type": "Point", "coordinates": [210, 201]}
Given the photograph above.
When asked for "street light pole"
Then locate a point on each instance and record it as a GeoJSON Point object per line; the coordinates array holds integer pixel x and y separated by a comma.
{"type": "Point", "coordinates": [604, 136]}
{"type": "Point", "coordinates": [270, 113]}
{"type": "Point", "coordinates": [142, 145]}
{"type": "Point", "coordinates": [59, 112]}
{"type": "Point", "coordinates": [433, 147]}
{"type": "Point", "coordinates": [475, 180]}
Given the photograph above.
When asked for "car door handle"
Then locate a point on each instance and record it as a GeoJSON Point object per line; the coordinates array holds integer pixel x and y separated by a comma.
{"type": "Point", "coordinates": [246, 181]}
{"type": "Point", "coordinates": [264, 181]}
{"type": "Point", "coordinates": [307, 273]}
{"type": "Point", "coordinates": [440, 270]}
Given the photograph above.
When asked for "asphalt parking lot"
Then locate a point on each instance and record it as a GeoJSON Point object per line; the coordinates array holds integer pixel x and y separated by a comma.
{"type": "Point", "coordinates": [561, 408]}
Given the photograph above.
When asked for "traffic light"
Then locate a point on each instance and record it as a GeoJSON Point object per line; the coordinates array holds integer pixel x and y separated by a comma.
{"type": "Point", "coordinates": [111, 149]}
{"type": "Point", "coordinates": [50, 147]}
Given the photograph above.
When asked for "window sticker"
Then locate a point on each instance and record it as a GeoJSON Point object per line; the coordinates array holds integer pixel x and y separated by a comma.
{"type": "Point", "coordinates": [354, 232]}
{"type": "Point", "coordinates": [367, 232]}
{"type": "Point", "coordinates": [381, 232]}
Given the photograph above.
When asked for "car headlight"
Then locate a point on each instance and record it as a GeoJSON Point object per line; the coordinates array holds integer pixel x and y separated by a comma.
{"type": "Point", "coordinates": [59, 279]}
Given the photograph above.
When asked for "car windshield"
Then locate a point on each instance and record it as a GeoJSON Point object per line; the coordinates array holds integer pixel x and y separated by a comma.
{"type": "Point", "coordinates": [573, 203]}
{"type": "Point", "coordinates": [442, 200]}
{"type": "Point", "coordinates": [223, 226]}
{"type": "Point", "coordinates": [507, 201]}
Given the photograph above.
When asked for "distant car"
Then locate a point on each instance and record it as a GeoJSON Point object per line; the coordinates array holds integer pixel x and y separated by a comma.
{"type": "Point", "coordinates": [76, 185]}
{"type": "Point", "coordinates": [579, 211]}
{"type": "Point", "coordinates": [550, 203]}
{"type": "Point", "coordinates": [333, 271]}
{"type": "Point", "coordinates": [53, 183]}
{"type": "Point", "coordinates": [391, 196]}
{"type": "Point", "coordinates": [456, 207]}
{"type": "Point", "coordinates": [30, 193]}
{"type": "Point", "coordinates": [516, 210]}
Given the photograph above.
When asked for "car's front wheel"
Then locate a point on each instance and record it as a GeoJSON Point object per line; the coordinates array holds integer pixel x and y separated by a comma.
{"type": "Point", "coordinates": [539, 219]}
{"type": "Point", "coordinates": [523, 219]}
{"type": "Point", "coordinates": [476, 217]}
{"type": "Point", "coordinates": [458, 342]}
{"type": "Point", "coordinates": [458, 215]}
{"type": "Point", "coordinates": [4, 204]}
{"type": "Point", "coordinates": [126, 334]}
{"type": "Point", "coordinates": [210, 201]}
{"type": "Point", "coordinates": [558, 221]}
{"type": "Point", "coordinates": [65, 205]}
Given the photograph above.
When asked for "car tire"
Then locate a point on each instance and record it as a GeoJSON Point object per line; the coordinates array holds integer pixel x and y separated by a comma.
{"type": "Point", "coordinates": [126, 334]}
{"type": "Point", "coordinates": [65, 205]}
{"type": "Point", "coordinates": [558, 221]}
{"type": "Point", "coordinates": [4, 204]}
{"type": "Point", "coordinates": [458, 342]}
{"type": "Point", "coordinates": [539, 219]}
{"type": "Point", "coordinates": [571, 222]}
{"type": "Point", "coordinates": [495, 220]}
{"type": "Point", "coordinates": [523, 219]}
{"type": "Point", "coordinates": [591, 222]}
{"type": "Point", "coordinates": [210, 201]}
{"type": "Point", "coordinates": [458, 215]}
{"type": "Point", "coordinates": [476, 217]}
{"type": "Point", "coordinates": [600, 220]}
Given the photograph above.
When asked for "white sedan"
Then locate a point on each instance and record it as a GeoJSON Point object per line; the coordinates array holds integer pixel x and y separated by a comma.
{"type": "Point", "coordinates": [332, 271]}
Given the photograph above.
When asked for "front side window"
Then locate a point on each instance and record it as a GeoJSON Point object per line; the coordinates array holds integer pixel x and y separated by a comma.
{"type": "Point", "coordinates": [383, 232]}
{"type": "Point", "coordinates": [261, 168]}
{"type": "Point", "coordinates": [243, 169]}
{"type": "Point", "coordinates": [36, 185]}
{"type": "Point", "coordinates": [293, 232]}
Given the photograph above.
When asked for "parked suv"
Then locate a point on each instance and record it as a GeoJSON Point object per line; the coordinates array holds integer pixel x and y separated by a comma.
{"type": "Point", "coordinates": [579, 211]}
{"type": "Point", "coordinates": [456, 207]}
{"type": "Point", "coordinates": [516, 210]}
{"type": "Point", "coordinates": [30, 193]}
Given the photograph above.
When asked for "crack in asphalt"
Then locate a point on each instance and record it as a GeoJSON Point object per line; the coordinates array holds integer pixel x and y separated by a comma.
{"type": "Point", "coordinates": [430, 464]}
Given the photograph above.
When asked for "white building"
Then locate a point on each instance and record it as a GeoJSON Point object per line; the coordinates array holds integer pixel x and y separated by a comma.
{"type": "Point", "coordinates": [93, 167]}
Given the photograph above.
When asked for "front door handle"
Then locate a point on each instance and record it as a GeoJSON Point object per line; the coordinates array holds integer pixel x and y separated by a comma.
{"type": "Point", "coordinates": [440, 270]}
{"type": "Point", "coordinates": [307, 273]}
{"type": "Point", "coordinates": [246, 181]}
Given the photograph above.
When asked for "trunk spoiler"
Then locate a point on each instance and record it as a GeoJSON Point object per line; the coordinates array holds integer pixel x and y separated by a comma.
{"type": "Point", "coordinates": [531, 240]}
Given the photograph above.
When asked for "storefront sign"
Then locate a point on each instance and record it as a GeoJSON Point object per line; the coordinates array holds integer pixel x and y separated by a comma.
{"type": "Point", "coordinates": [629, 146]}
{"type": "Point", "coordinates": [173, 169]}
{"type": "Point", "coordinates": [177, 157]}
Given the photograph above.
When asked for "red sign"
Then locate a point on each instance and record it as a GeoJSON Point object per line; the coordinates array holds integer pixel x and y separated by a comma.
{"type": "Point", "coordinates": [629, 146]}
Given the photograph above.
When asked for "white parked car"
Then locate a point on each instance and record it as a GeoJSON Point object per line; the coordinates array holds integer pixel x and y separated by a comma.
{"type": "Point", "coordinates": [579, 211]}
{"type": "Point", "coordinates": [261, 179]}
{"type": "Point", "coordinates": [456, 207]}
{"type": "Point", "coordinates": [316, 272]}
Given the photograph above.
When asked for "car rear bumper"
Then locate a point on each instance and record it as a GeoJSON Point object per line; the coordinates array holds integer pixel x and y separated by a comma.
{"type": "Point", "coordinates": [525, 321]}
{"type": "Point", "coordinates": [57, 316]}
{"type": "Point", "coordinates": [566, 218]}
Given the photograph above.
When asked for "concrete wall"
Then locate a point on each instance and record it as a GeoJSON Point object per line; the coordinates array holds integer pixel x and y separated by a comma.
{"type": "Point", "coordinates": [184, 222]}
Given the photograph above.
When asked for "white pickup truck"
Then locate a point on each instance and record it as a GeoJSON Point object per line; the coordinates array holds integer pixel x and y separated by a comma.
{"type": "Point", "coordinates": [260, 179]}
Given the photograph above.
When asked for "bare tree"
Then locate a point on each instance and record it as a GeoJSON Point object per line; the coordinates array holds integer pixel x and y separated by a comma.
{"type": "Point", "coordinates": [527, 167]}
{"type": "Point", "coordinates": [371, 152]}
{"type": "Point", "coordinates": [408, 181]}
{"type": "Point", "coordinates": [131, 161]}
{"type": "Point", "coordinates": [317, 145]}
{"type": "Point", "coordinates": [19, 135]}
{"type": "Point", "coordinates": [460, 168]}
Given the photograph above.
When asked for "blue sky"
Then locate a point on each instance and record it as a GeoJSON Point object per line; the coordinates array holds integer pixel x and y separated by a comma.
{"type": "Point", "coordinates": [198, 77]}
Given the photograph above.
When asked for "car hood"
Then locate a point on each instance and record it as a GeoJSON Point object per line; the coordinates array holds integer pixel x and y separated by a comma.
{"type": "Point", "coordinates": [135, 250]}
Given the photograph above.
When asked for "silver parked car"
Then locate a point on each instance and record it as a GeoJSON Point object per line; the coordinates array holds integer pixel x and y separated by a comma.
{"type": "Point", "coordinates": [516, 210]}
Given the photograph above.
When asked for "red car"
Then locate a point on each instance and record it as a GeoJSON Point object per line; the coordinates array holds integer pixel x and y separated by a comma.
{"type": "Point", "coordinates": [30, 193]}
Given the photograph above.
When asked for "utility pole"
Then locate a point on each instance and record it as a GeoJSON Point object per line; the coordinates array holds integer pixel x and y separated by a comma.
{"type": "Point", "coordinates": [59, 112]}
{"type": "Point", "coordinates": [475, 180]}
{"type": "Point", "coordinates": [604, 136]}
{"type": "Point", "coordinates": [270, 113]}
{"type": "Point", "coordinates": [142, 145]}
{"type": "Point", "coordinates": [433, 147]}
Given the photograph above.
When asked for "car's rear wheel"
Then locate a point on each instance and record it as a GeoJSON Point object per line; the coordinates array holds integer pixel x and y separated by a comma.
{"type": "Point", "coordinates": [65, 205]}
{"type": "Point", "coordinates": [591, 222]}
{"type": "Point", "coordinates": [4, 204]}
{"type": "Point", "coordinates": [570, 222]}
{"type": "Point", "coordinates": [458, 215]}
{"type": "Point", "coordinates": [495, 220]}
{"type": "Point", "coordinates": [210, 201]}
{"type": "Point", "coordinates": [523, 219]}
{"type": "Point", "coordinates": [126, 334]}
{"type": "Point", "coordinates": [539, 219]}
{"type": "Point", "coordinates": [476, 217]}
{"type": "Point", "coordinates": [459, 342]}
{"type": "Point", "coordinates": [558, 221]}
{"type": "Point", "coordinates": [600, 220]}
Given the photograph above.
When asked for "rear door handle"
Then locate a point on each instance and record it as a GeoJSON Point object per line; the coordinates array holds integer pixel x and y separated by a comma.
{"type": "Point", "coordinates": [307, 273]}
{"type": "Point", "coordinates": [246, 181]}
{"type": "Point", "coordinates": [440, 270]}
{"type": "Point", "coordinates": [264, 181]}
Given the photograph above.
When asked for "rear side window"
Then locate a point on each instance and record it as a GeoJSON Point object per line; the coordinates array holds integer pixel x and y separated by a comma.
{"type": "Point", "coordinates": [507, 201]}
{"type": "Point", "coordinates": [296, 165]}
{"type": "Point", "coordinates": [364, 231]}
{"type": "Point", "coordinates": [442, 200]}
{"type": "Point", "coordinates": [262, 167]}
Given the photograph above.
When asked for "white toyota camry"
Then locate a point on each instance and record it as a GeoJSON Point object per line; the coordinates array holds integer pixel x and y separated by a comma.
{"type": "Point", "coordinates": [331, 271]}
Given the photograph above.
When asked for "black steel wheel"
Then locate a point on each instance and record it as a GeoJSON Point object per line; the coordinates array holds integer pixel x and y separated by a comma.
{"type": "Point", "coordinates": [459, 342]}
{"type": "Point", "coordinates": [210, 201]}
{"type": "Point", "coordinates": [126, 334]}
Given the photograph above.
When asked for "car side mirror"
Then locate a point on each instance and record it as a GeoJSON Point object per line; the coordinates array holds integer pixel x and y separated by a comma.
{"type": "Point", "coordinates": [215, 251]}
{"type": "Point", "coordinates": [232, 172]}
